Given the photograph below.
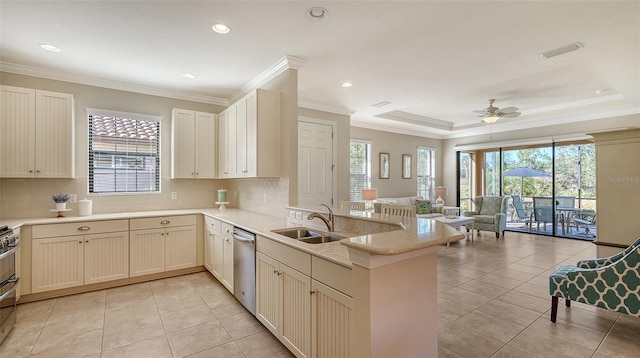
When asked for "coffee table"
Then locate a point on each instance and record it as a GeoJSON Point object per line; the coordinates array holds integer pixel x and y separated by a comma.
{"type": "Point", "coordinates": [457, 221]}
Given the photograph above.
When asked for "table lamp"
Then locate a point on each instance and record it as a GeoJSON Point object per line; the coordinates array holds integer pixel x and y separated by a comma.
{"type": "Point", "coordinates": [440, 191]}
{"type": "Point", "coordinates": [369, 195]}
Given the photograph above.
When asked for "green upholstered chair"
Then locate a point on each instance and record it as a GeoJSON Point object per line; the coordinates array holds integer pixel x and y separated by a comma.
{"type": "Point", "coordinates": [490, 213]}
{"type": "Point", "coordinates": [612, 283]}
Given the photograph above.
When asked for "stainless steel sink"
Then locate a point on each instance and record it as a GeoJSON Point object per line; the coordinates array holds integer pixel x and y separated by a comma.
{"type": "Point", "coordinates": [307, 235]}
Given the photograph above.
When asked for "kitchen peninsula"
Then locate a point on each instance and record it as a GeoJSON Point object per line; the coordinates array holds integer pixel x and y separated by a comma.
{"type": "Point", "coordinates": [391, 262]}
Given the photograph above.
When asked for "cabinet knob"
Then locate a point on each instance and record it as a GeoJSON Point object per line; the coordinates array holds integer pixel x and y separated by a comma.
{"type": "Point", "coordinates": [30, 171]}
{"type": "Point", "coordinates": [165, 222]}
{"type": "Point", "coordinates": [84, 228]}
{"type": "Point", "coordinates": [312, 292]}
{"type": "Point", "coordinates": [80, 242]}
{"type": "Point", "coordinates": [37, 171]}
{"type": "Point", "coordinates": [87, 241]}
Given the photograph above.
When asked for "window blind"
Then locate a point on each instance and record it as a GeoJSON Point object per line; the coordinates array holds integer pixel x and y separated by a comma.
{"type": "Point", "coordinates": [426, 168]}
{"type": "Point", "coordinates": [124, 154]}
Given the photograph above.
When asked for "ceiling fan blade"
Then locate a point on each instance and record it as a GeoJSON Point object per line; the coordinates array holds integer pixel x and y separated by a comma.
{"type": "Point", "coordinates": [508, 109]}
{"type": "Point", "coordinates": [509, 115]}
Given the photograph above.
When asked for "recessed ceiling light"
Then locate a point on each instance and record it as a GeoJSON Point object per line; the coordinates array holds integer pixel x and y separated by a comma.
{"type": "Point", "coordinates": [221, 28]}
{"type": "Point", "coordinates": [346, 84]}
{"type": "Point", "coordinates": [189, 75]}
{"type": "Point", "coordinates": [50, 48]}
{"type": "Point", "coordinates": [317, 13]}
{"type": "Point", "coordinates": [562, 50]}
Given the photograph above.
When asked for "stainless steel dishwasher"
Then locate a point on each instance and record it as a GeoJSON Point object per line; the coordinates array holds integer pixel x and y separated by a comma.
{"type": "Point", "coordinates": [244, 268]}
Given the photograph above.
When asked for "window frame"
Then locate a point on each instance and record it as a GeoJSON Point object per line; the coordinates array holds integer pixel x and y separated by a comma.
{"type": "Point", "coordinates": [128, 115]}
{"type": "Point", "coordinates": [430, 186]}
{"type": "Point", "coordinates": [368, 180]}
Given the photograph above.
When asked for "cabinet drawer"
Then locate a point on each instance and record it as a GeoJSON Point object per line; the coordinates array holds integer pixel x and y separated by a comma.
{"type": "Point", "coordinates": [212, 224]}
{"type": "Point", "coordinates": [331, 274]}
{"type": "Point", "coordinates": [226, 229]}
{"type": "Point", "coordinates": [80, 228]}
{"type": "Point", "coordinates": [289, 256]}
{"type": "Point", "coordinates": [162, 221]}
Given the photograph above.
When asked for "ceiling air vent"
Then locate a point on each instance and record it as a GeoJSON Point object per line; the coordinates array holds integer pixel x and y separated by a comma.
{"type": "Point", "coordinates": [380, 104]}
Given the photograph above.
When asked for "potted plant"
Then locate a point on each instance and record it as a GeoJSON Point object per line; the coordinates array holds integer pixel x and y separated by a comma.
{"type": "Point", "coordinates": [61, 201]}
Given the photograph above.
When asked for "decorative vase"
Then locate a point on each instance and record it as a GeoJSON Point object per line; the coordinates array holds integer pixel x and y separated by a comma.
{"type": "Point", "coordinates": [61, 206]}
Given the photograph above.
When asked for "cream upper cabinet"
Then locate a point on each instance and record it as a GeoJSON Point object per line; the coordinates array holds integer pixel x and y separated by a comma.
{"type": "Point", "coordinates": [251, 145]}
{"type": "Point", "coordinates": [226, 143]}
{"type": "Point", "coordinates": [37, 132]}
{"type": "Point", "coordinates": [260, 127]}
{"type": "Point", "coordinates": [193, 144]}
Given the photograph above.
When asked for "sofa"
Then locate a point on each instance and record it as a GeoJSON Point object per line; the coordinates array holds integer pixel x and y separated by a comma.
{"type": "Point", "coordinates": [411, 201]}
{"type": "Point", "coordinates": [490, 213]}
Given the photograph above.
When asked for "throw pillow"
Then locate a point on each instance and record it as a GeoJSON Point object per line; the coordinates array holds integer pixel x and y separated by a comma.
{"type": "Point", "coordinates": [424, 207]}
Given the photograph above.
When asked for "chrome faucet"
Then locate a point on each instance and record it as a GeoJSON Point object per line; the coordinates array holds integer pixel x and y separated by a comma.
{"type": "Point", "coordinates": [327, 221]}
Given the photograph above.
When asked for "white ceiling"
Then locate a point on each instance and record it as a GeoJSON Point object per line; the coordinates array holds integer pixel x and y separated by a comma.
{"type": "Point", "coordinates": [435, 62]}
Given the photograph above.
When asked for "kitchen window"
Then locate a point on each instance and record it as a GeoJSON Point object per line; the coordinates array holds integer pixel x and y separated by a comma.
{"type": "Point", "coordinates": [360, 168]}
{"type": "Point", "coordinates": [426, 169]}
{"type": "Point", "coordinates": [124, 152]}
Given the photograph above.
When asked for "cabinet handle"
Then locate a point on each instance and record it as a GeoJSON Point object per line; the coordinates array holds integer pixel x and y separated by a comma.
{"type": "Point", "coordinates": [165, 222]}
{"type": "Point", "coordinates": [80, 242]}
{"type": "Point", "coordinates": [31, 171]}
{"type": "Point", "coordinates": [312, 292]}
{"type": "Point", "coordinates": [226, 230]}
{"type": "Point", "coordinates": [37, 171]}
{"type": "Point", "coordinates": [197, 173]}
{"type": "Point", "coordinates": [84, 228]}
{"type": "Point", "coordinates": [87, 241]}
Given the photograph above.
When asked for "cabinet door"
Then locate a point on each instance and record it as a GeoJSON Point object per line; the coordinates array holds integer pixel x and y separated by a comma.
{"type": "Point", "coordinates": [227, 263]}
{"type": "Point", "coordinates": [331, 321]}
{"type": "Point", "coordinates": [180, 247]}
{"type": "Point", "coordinates": [205, 145]}
{"type": "Point", "coordinates": [268, 293]}
{"type": "Point", "coordinates": [183, 132]}
{"type": "Point", "coordinates": [17, 132]}
{"type": "Point", "coordinates": [55, 130]}
{"type": "Point", "coordinates": [57, 263]}
{"type": "Point", "coordinates": [296, 311]}
{"type": "Point", "coordinates": [251, 134]}
{"type": "Point", "coordinates": [226, 145]}
{"type": "Point", "coordinates": [106, 257]}
{"type": "Point", "coordinates": [241, 138]}
{"type": "Point", "coordinates": [146, 248]}
{"type": "Point", "coordinates": [218, 255]}
{"type": "Point", "coordinates": [208, 250]}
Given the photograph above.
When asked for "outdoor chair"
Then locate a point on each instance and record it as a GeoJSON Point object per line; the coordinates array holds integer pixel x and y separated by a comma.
{"type": "Point", "coordinates": [520, 211]}
{"type": "Point", "coordinates": [398, 210]}
{"type": "Point", "coordinates": [542, 212]}
{"type": "Point", "coordinates": [586, 218]}
{"type": "Point", "coordinates": [610, 283]}
{"type": "Point", "coordinates": [352, 205]}
{"type": "Point", "coordinates": [490, 214]}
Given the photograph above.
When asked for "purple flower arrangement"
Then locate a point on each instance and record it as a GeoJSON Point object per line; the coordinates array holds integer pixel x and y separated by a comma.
{"type": "Point", "coordinates": [60, 198]}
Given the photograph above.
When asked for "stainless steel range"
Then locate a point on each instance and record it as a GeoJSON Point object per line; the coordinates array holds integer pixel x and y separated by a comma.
{"type": "Point", "coordinates": [9, 242]}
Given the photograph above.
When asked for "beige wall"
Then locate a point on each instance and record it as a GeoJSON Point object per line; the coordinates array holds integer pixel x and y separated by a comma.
{"type": "Point", "coordinates": [396, 145]}
{"type": "Point", "coordinates": [342, 139]}
{"type": "Point", "coordinates": [32, 197]}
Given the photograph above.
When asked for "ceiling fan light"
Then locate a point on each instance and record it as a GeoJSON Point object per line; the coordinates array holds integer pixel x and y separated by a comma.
{"type": "Point", "coordinates": [490, 119]}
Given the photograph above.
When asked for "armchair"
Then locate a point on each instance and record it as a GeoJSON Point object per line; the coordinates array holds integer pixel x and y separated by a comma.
{"type": "Point", "coordinates": [490, 213]}
{"type": "Point", "coordinates": [611, 283]}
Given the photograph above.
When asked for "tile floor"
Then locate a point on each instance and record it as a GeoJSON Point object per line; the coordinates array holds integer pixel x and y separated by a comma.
{"type": "Point", "coordinates": [493, 301]}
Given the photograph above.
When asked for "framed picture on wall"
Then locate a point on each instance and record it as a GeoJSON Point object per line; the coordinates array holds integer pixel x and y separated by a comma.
{"type": "Point", "coordinates": [384, 165]}
{"type": "Point", "coordinates": [406, 166]}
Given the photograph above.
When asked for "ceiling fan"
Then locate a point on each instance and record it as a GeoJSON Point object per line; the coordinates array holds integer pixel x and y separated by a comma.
{"type": "Point", "coordinates": [491, 114]}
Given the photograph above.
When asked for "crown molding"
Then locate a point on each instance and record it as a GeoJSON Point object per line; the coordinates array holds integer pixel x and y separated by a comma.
{"type": "Point", "coordinates": [326, 108]}
{"type": "Point", "coordinates": [287, 62]}
{"type": "Point", "coordinates": [410, 118]}
{"type": "Point", "coordinates": [116, 85]}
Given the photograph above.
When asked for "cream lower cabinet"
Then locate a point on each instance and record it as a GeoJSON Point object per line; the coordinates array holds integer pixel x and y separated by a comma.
{"type": "Point", "coordinates": [331, 321]}
{"type": "Point", "coordinates": [223, 256]}
{"type": "Point", "coordinates": [283, 303]}
{"type": "Point", "coordinates": [213, 247]}
{"type": "Point", "coordinates": [62, 258]}
{"type": "Point", "coordinates": [162, 244]}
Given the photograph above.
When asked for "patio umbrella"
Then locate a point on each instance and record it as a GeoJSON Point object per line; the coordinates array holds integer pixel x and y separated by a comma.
{"type": "Point", "coordinates": [523, 172]}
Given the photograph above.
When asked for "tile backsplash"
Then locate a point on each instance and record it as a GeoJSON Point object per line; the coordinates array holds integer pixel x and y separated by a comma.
{"type": "Point", "coordinates": [29, 198]}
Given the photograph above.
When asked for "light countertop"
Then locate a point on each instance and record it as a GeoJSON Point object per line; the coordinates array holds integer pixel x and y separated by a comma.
{"type": "Point", "coordinates": [418, 233]}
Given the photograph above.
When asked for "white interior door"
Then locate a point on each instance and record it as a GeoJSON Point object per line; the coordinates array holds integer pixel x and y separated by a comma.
{"type": "Point", "coordinates": [315, 163]}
